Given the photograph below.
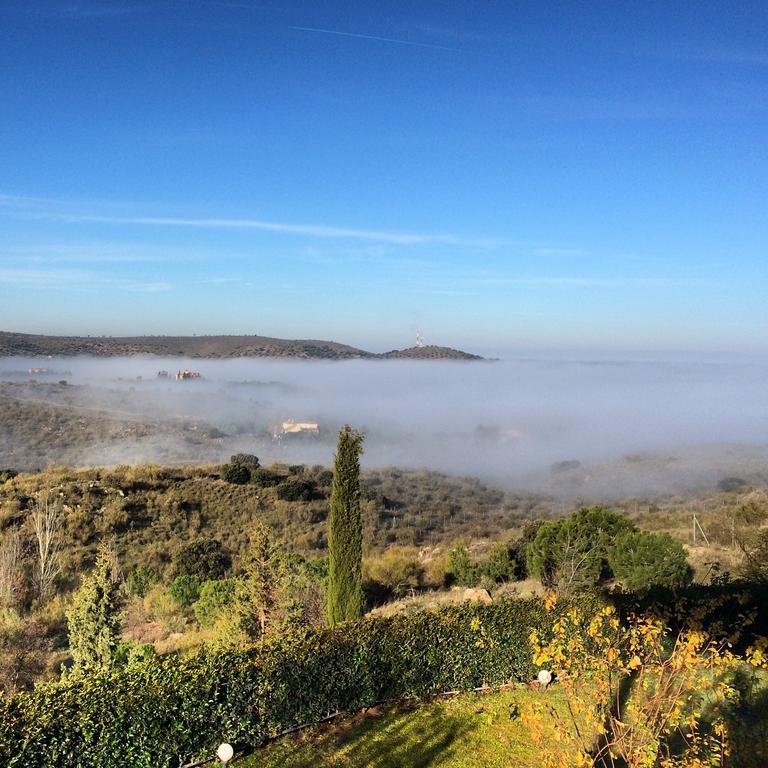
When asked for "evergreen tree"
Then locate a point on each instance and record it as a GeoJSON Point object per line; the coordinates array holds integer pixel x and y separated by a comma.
{"type": "Point", "coordinates": [572, 554]}
{"type": "Point", "coordinates": [641, 560]}
{"type": "Point", "coordinates": [278, 591]}
{"type": "Point", "coordinates": [460, 568]}
{"type": "Point", "coordinates": [345, 532]}
{"type": "Point", "coordinates": [258, 593]}
{"type": "Point", "coordinates": [94, 618]}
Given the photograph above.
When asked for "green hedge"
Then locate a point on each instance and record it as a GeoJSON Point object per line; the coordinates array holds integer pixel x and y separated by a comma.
{"type": "Point", "coordinates": [165, 711]}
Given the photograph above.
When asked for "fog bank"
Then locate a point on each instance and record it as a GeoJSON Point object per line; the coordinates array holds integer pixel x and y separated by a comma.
{"type": "Point", "coordinates": [610, 427]}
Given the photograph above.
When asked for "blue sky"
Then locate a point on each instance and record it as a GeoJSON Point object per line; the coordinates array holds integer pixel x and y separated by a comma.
{"type": "Point", "coordinates": [498, 175]}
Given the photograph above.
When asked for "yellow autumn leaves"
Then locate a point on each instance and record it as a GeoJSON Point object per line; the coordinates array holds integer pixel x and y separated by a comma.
{"type": "Point", "coordinates": [633, 685]}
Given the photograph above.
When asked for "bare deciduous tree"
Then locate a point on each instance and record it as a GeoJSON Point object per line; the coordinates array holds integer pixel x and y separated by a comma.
{"type": "Point", "coordinates": [11, 577]}
{"type": "Point", "coordinates": [45, 519]}
{"type": "Point", "coordinates": [24, 649]}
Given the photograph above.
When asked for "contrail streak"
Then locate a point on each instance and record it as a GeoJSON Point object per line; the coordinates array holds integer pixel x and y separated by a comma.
{"type": "Point", "coordinates": [374, 37]}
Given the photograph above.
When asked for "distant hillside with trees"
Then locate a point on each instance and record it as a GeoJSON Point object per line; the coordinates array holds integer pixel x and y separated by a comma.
{"type": "Point", "coordinates": [150, 512]}
{"type": "Point", "coordinates": [33, 345]}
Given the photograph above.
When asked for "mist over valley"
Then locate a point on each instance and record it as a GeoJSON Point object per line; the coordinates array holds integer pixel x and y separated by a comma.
{"type": "Point", "coordinates": [567, 427]}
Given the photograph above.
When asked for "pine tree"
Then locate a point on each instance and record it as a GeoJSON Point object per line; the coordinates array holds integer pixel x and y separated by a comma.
{"type": "Point", "coordinates": [258, 593]}
{"type": "Point", "coordinates": [345, 532]}
{"type": "Point", "coordinates": [93, 620]}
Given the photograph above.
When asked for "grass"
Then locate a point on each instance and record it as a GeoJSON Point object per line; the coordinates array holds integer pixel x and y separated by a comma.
{"type": "Point", "coordinates": [486, 729]}
{"type": "Point", "coordinates": [481, 730]}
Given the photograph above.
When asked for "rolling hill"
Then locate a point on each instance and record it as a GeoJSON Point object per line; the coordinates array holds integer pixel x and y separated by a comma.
{"type": "Point", "coordinates": [33, 345]}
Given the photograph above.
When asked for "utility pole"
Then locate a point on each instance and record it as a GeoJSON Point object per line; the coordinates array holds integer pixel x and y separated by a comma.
{"type": "Point", "coordinates": [696, 525]}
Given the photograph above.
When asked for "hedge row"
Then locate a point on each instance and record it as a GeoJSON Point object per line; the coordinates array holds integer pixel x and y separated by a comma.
{"type": "Point", "coordinates": [165, 711]}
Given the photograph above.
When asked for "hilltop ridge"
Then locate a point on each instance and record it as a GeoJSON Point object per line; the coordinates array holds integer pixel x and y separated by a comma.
{"type": "Point", "coordinates": [35, 345]}
{"type": "Point", "coordinates": [428, 352]}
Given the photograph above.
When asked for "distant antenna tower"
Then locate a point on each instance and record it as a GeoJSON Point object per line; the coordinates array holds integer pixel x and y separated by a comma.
{"type": "Point", "coordinates": [419, 339]}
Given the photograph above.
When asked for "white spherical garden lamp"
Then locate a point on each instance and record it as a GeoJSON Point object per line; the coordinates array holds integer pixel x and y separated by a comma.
{"type": "Point", "coordinates": [225, 753]}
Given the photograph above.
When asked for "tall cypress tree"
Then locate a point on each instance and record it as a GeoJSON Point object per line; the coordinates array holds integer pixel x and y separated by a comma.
{"type": "Point", "coordinates": [345, 532]}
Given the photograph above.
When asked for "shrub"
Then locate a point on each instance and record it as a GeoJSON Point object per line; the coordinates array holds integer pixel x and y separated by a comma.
{"type": "Point", "coordinates": [247, 460]}
{"type": "Point", "coordinates": [264, 478]}
{"type": "Point", "coordinates": [640, 694]}
{"type": "Point", "coordinates": [277, 590]}
{"type": "Point", "coordinates": [214, 597]}
{"type": "Point", "coordinates": [161, 607]}
{"type": "Point", "coordinates": [499, 566]}
{"type": "Point", "coordinates": [24, 647]}
{"type": "Point", "coordinates": [206, 559]}
{"type": "Point", "coordinates": [460, 569]}
{"type": "Point", "coordinates": [236, 474]}
{"type": "Point", "coordinates": [185, 590]}
{"type": "Point", "coordinates": [755, 565]}
{"type": "Point", "coordinates": [641, 560]}
{"type": "Point", "coordinates": [392, 574]}
{"type": "Point", "coordinates": [518, 550]}
{"type": "Point", "coordinates": [130, 652]}
{"type": "Point", "coordinates": [140, 580]}
{"type": "Point", "coordinates": [294, 489]}
{"type": "Point", "coordinates": [732, 484]}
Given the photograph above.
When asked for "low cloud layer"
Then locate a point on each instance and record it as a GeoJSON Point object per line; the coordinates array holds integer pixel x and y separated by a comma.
{"type": "Point", "coordinates": [565, 426]}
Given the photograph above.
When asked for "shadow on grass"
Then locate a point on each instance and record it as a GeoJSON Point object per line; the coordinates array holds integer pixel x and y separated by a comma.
{"type": "Point", "coordinates": [427, 741]}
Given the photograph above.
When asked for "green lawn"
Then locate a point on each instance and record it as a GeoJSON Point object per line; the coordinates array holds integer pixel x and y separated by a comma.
{"type": "Point", "coordinates": [469, 731]}
{"type": "Point", "coordinates": [482, 730]}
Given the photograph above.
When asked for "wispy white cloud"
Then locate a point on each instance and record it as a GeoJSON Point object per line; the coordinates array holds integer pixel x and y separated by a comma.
{"type": "Point", "coordinates": [146, 287]}
{"type": "Point", "coordinates": [584, 282]}
{"type": "Point", "coordinates": [307, 230]}
{"type": "Point", "coordinates": [68, 211]}
{"type": "Point", "coordinates": [85, 253]}
{"type": "Point", "coordinates": [40, 278]}
{"type": "Point", "coordinates": [219, 280]}
{"type": "Point", "coordinates": [73, 279]}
